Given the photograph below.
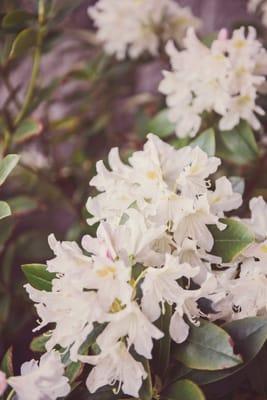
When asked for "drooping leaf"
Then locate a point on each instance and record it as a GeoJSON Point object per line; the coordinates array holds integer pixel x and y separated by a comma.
{"type": "Point", "coordinates": [231, 241]}
{"type": "Point", "coordinates": [5, 210]}
{"type": "Point", "coordinates": [7, 164]}
{"type": "Point", "coordinates": [238, 145]}
{"type": "Point", "coordinates": [27, 129]}
{"type": "Point", "coordinates": [7, 363]}
{"type": "Point", "coordinates": [249, 334]}
{"type": "Point", "coordinates": [183, 390]}
{"type": "Point", "coordinates": [160, 125]}
{"type": "Point", "coordinates": [38, 276]}
{"type": "Point", "coordinates": [207, 347]}
{"type": "Point", "coordinates": [206, 141]}
{"type": "Point", "coordinates": [24, 41]}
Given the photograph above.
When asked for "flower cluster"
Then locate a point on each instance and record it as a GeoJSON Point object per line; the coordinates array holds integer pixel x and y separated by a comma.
{"type": "Point", "coordinates": [261, 6]}
{"type": "Point", "coordinates": [136, 26]}
{"type": "Point", "coordinates": [152, 251]}
{"type": "Point", "coordinates": [223, 79]}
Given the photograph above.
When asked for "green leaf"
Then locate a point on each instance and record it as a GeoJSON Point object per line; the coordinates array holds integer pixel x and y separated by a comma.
{"type": "Point", "coordinates": [207, 347]}
{"type": "Point", "coordinates": [16, 20]}
{"type": "Point", "coordinates": [37, 344]}
{"type": "Point", "coordinates": [74, 370]}
{"type": "Point", "coordinates": [231, 241]}
{"type": "Point", "coordinates": [25, 40]}
{"type": "Point", "coordinates": [206, 141]}
{"type": "Point", "coordinates": [21, 205]}
{"type": "Point", "coordinates": [249, 334]}
{"type": "Point", "coordinates": [162, 346]}
{"type": "Point", "coordinates": [7, 164]}
{"type": "Point", "coordinates": [160, 125]}
{"type": "Point", "coordinates": [82, 393]}
{"type": "Point", "coordinates": [38, 276]}
{"type": "Point", "coordinates": [4, 210]}
{"type": "Point", "coordinates": [6, 230]}
{"type": "Point", "coordinates": [183, 390]}
{"type": "Point", "coordinates": [7, 363]}
{"type": "Point", "coordinates": [238, 145]}
{"type": "Point", "coordinates": [27, 129]}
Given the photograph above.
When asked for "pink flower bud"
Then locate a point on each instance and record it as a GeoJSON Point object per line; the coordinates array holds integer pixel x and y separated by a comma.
{"type": "Point", "coordinates": [223, 34]}
{"type": "Point", "coordinates": [3, 382]}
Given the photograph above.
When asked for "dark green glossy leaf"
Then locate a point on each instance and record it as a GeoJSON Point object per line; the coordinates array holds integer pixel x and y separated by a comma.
{"type": "Point", "coordinates": [207, 347]}
{"type": "Point", "coordinates": [238, 145]}
{"type": "Point", "coordinates": [183, 390]}
{"type": "Point", "coordinates": [38, 276]}
{"type": "Point", "coordinates": [206, 141]}
{"type": "Point", "coordinates": [249, 334]}
{"type": "Point", "coordinates": [231, 241]}
{"type": "Point", "coordinates": [82, 393]}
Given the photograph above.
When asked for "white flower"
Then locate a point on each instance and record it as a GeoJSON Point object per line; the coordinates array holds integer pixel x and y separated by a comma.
{"type": "Point", "coordinates": [194, 224]}
{"type": "Point", "coordinates": [69, 259]}
{"type": "Point", "coordinates": [72, 310]}
{"type": "Point", "coordinates": [223, 198]}
{"type": "Point", "coordinates": [43, 380]}
{"type": "Point", "coordinates": [192, 180]}
{"type": "Point", "coordinates": [160, 286]}
{"type": "Point", "coordinates": [131, 241]}
{"type": "Point", "coordinates": [3, 383]}
{"type": "Point", "coordinates": [224, 79]}
{"type": "Point", "coordinates": [258, 220]}
{"type": "Point", "coordinates": [133, 26]}
{"type": "Point", "coordinates": [133, 324]}
{"type": "Point", "coordinates": [116, 365]}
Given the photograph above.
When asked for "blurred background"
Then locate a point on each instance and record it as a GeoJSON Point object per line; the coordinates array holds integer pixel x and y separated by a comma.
{"type": "Point", "coordinates": [81, 103]}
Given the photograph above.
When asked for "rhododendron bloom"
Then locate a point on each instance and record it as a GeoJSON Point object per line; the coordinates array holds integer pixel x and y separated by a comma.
{"type": "Point", "coordinates": [43, 380]}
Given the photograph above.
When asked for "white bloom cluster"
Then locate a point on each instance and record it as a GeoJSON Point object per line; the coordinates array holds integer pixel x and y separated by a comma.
{"type": "Point", "coordinates": [153, 213]}
{"type": "Point", "coordinates": [248, 275]}
{"type": "Point", "coordinates": [136, 26]}
{"type": "Point", "coordinates": [223, 79]}
{"type": "Point", "coordinates": [151, 251]}
{"type": "Point", "coordinates": [41, 381]}
{"type": "Point", "coordinates": [261, 6]}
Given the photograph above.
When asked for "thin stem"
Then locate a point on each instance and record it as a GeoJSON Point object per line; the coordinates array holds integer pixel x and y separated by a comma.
{"type": "Point", "coordinates": [10, 395]}
{"type": "Point", "coordinates": [36, 64]}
